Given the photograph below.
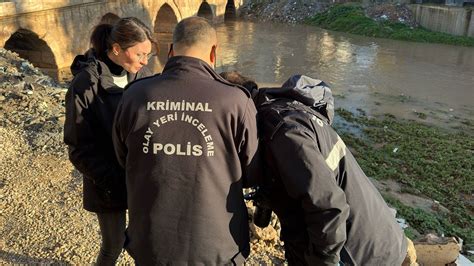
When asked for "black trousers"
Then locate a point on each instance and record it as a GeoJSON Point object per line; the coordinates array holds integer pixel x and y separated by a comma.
{"type": "Point", "coordinates": [112, 229]}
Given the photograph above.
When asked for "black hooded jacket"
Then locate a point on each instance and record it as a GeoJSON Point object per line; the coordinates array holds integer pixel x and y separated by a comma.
{"type": "Point", "coordinates": [91, 102]}
{"type": "Point", "coordinates": [187, 139]}
{"type": "Point", "coordinates": [328, 208]}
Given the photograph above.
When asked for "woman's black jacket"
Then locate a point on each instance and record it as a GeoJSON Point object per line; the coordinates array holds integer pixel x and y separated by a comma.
{"type": "Point", "coordinates": [91, 102]}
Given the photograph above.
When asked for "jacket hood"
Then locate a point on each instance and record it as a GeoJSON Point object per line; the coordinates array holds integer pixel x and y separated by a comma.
{"type": "Point", "coordinates": [313, 93]}
{"type": "Point", "coordinates": [82, 61]}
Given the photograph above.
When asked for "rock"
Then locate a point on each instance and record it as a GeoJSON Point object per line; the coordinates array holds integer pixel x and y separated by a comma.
{"type": "Point", "coordinates": [437, 251]}
{"type": "Point", "coordinates": [267, 233]}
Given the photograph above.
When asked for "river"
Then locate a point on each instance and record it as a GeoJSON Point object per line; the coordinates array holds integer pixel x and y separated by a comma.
{"type": "Point", "coordinates": [376, 75]}
{"type": "Point", "coordinates": [428, 82]}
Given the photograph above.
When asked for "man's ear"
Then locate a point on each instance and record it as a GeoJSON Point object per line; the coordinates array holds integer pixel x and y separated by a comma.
{"type": "Point", "coordinates": [170, 51]}
{"type": "Point", "coordinates": [212, 56]}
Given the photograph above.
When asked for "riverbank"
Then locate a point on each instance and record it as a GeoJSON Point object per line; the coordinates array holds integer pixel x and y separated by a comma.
{"type": "Point", "coordinates": [391, 21]}
{"type": "Point", "coordinates": [353, 18]}
{"type": "Point", "coordinates": [432, 163]}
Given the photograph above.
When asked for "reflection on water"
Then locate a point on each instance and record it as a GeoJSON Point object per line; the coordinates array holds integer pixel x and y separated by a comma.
{"type": "Point", "coordinates": [368, 73]}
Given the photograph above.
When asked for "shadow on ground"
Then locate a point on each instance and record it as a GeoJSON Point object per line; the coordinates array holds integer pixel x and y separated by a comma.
{"type": "Point", "coordinates": [14, 258]}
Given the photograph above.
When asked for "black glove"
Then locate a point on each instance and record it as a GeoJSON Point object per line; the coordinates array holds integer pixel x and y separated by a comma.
{"type": "Point", "coordinates": [263, 212]}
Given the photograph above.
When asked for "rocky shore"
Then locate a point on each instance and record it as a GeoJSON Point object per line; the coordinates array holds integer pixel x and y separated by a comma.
{"type": "Point", "coordinates": [287, 11]}
{"type": "Point", "coordinates": [41, 215]}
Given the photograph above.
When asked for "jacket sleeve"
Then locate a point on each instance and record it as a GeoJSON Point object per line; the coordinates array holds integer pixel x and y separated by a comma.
{"type": "Point", "coordinates": [248, 148]}
{"type": "Point", "coordinates": [307, 177]}
{"type": "Point", "coordinates": [80, 130]}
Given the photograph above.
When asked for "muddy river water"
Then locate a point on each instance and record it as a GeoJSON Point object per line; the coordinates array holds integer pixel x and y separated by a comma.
{"type": "Point", "coordinates": [422, 81]}
{"type": "Point", "coordinates": [375, 75]}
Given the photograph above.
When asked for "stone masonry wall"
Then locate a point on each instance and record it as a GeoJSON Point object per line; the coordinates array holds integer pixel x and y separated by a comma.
{"type": "Point", "coordinates": [470, 30]}
{"type": "Point", "coordinates": [451, 20]}
{"type": "Point", "coordinates": [65, 25]}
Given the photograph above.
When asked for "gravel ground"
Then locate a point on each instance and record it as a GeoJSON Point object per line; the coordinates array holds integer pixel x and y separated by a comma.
{"type": "Point", "coordinates": [41, 215]}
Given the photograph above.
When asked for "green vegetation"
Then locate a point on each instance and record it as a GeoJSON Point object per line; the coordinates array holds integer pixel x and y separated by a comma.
{"type": "Point", "coordinates": [351, 18]}
{"type": "Point", "coordinates": [427, 161]}
{"type": "Point", "coordinates": [426, 222]}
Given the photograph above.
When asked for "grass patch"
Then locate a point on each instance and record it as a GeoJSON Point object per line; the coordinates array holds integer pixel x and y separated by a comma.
{"type": "Point", "coordinates": [425, 222]}
{"type": "Point", "coordinates": [351, 18]}
{"type": "Point", "coordinates": [432, 161]}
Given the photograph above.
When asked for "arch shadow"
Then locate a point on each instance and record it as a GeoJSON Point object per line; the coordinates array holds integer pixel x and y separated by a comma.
{"type": "Point", "coordinates": [230, 11]}
{"type": "Point", "coordinates": [205, 11]}
{"type": "Point", "coordinates": [30, 46]}
{"type": "Point", "coordinates": [20, 259]}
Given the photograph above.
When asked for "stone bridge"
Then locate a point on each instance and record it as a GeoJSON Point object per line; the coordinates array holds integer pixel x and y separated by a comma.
{"type": "Point", "coordinates": [49, 33]}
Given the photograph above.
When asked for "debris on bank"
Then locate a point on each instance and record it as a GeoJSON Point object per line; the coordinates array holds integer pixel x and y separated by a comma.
{"type": "Point", "coordinates": [32, 102]}
{"type": "Point", "coordinates": [294, 11]}
{"type": "Point", "coordinates": [287, 11]}
{"type": "Point", "coordinates": [396, 13]}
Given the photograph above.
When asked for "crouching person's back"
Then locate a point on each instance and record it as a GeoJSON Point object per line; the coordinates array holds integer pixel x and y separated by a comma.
{"type": "Point", "coordinates": [329, 210]}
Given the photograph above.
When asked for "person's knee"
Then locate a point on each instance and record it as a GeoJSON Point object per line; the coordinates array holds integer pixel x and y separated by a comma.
{"type": "Point", "coordinates": [114, 242]}
{"type": "Point", "coordinates": [112, 227]}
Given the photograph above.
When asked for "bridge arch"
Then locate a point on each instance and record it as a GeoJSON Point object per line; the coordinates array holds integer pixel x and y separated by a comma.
{"type": "Point", "coordinates": [165, 22]}
{"type": "Point", "coordinates": [205, 11]}
{"type": "Point", "coordinates": [31, 47]}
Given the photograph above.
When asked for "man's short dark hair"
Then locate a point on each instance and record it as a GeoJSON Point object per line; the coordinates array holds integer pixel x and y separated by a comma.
{"type": "Point", "coordinates": [237, 78]}
{"type": "Point", "coordinates": [191, 31]}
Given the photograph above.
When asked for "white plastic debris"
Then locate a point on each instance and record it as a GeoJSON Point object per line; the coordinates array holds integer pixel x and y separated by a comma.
{"type": "Point", "coordinates": [402, 223]}
{"type": "Point", "coordinates": [463, 261]}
